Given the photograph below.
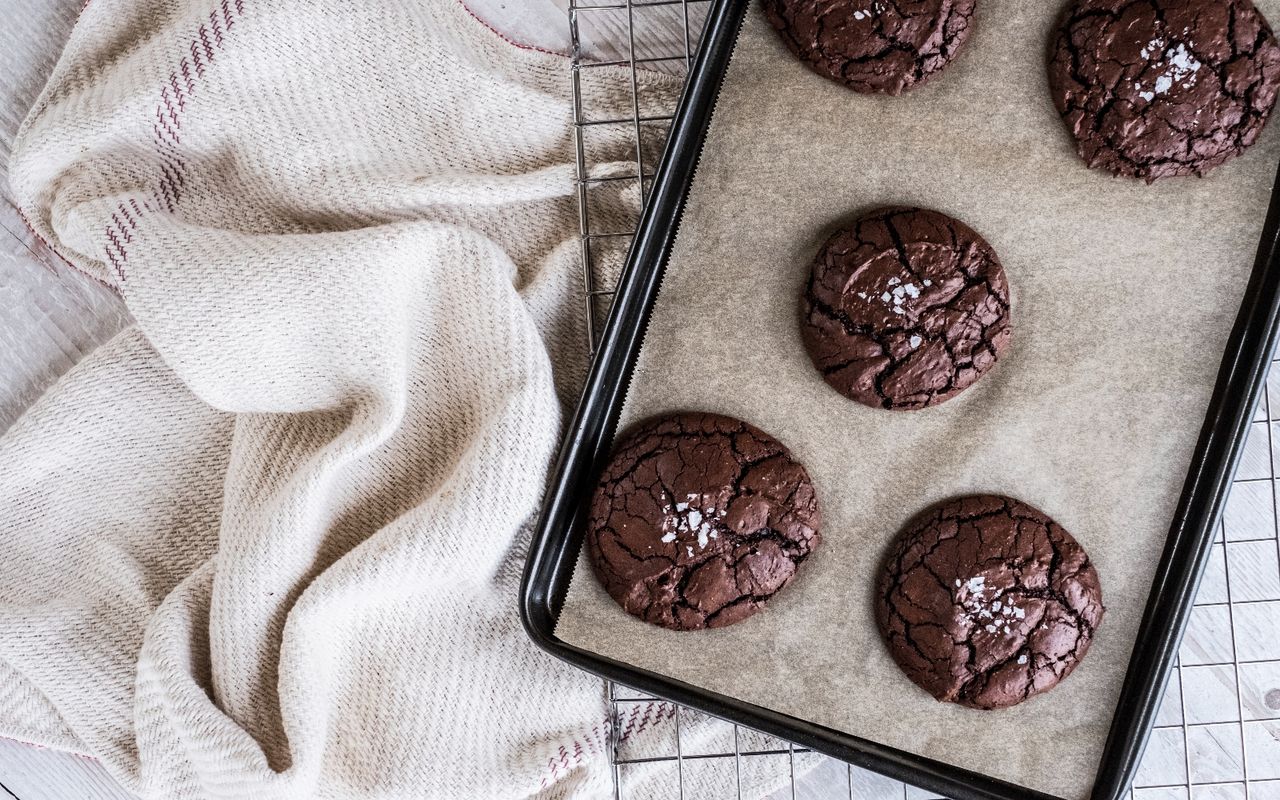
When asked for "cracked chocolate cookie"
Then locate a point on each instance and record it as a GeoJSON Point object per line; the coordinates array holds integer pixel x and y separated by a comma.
{"type": "Point", "coordinates": [698, 520]}
{"type": "Point", "coordinates": [1156, 88]}
{"type": "Point", "coordinates": [905, 308]}
{"type": "Point", "coordinates": [886, 46]}
{"type": "Point", "coordinates": [986, 601]}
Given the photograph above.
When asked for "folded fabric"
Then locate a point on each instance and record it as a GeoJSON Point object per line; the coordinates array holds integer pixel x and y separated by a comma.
{"type": "Point", "coordinates": [265, 543]}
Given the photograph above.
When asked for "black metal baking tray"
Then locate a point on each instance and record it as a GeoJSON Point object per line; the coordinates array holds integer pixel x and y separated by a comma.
{"type": "Point", "coordinates": [558, 536]}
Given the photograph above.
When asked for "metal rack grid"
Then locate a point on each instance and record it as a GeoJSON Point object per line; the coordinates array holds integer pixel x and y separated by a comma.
{"type": "Point", "coordinates": [1217, 736]}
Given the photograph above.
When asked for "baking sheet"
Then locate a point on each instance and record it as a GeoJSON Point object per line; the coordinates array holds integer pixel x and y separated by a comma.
{"type": "Point", "coordinates": [1123, 297]}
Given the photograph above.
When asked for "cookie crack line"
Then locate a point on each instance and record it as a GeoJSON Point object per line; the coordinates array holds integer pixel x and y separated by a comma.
{"type": "Point", "coordinates": [905, 308]}
{"type": "Point", "coordinates": [698, 519]}
{"type": "Point", "coordinates": [879, 46]}
{"type": "Point", "coordinates": [973, 558]}
{"type": "Point", "coordinates": [1208, 105]}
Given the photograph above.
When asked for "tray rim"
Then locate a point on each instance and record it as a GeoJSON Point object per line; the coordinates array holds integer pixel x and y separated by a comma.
{"type": "Point", "coordinates": [558, 534]}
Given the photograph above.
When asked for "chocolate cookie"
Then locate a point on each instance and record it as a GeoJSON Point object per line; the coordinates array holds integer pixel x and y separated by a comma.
{"type": "Point", "coordinates": [884, 46]}
{"type": "Point", "coordinates": [698, 520]}
{"type": "Point", "coordinates": [985, 601]}
{"type": "Point", "coordinates": [905, 308]}
{"type": "Point", "coordinates": [1156, 88]}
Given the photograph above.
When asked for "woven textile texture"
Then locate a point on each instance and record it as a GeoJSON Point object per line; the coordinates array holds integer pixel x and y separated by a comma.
{"type": "Point", "coordinates": [266, 541]}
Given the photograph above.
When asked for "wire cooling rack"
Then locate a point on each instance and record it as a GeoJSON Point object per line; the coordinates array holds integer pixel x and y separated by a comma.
{"type": "Point", "coordinates": [1217, 736]}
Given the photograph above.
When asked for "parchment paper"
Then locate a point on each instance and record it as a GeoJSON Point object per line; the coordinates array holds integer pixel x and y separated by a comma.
{"type": "Point", "coordinates": [1123, 298]}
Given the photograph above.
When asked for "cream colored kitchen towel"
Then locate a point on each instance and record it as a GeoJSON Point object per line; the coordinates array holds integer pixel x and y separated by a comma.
{"type": "Point", "coordinates": [265, 543]}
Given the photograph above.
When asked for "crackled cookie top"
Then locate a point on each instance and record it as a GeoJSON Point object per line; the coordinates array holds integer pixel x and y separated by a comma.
{"type": "Point", "coordinates": [986, 601]}
{"type": "Point", "coordinates": [884, 46]}
{"type": "Point", "coordinates": [905, 308]}
{"type": "Point", "coordinates": [1156, 88]}
{"type": "Point", "coordinates": [698, 520]}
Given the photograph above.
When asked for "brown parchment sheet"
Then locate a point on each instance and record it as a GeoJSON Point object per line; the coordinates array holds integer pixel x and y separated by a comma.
{"type": "Point", "coordinates": [1123, 297]}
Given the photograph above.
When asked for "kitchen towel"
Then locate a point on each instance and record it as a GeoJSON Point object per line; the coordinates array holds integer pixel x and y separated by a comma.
{"type": "Point", "coordinates": [266, 541]}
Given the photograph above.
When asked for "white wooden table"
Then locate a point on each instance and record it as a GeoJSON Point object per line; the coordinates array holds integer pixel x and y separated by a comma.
{"type": "Point", "coordinates": [1218, 733]}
